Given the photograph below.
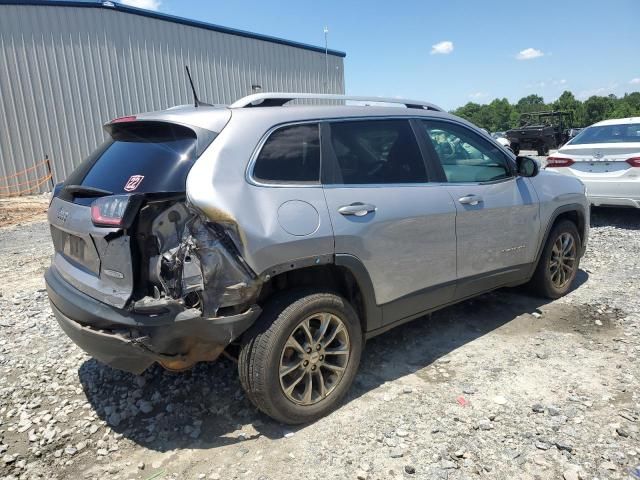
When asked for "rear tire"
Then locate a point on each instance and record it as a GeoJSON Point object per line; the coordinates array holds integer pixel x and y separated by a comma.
{"type": "Point", "coordinates": [299, 359]}
{"type": "Point", "coordinates": [516, 148]}
{"type": "Point", "coordinates": [543, 151]}
{"type": "Point", "coordinates": [559, 262]}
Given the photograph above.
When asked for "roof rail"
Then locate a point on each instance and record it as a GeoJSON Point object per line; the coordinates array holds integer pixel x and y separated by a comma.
{"type": "Point", "coordinates": [279, 99]}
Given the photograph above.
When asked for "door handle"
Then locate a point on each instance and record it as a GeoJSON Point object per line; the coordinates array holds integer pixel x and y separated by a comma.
{"type": "Point", "coordinates": [471, 199]}
{"type": "Point", "coordinates": [358, 209]}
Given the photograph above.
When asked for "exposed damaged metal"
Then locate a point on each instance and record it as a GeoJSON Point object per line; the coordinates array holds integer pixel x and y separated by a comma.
{"type": "Point", "coordinates": [197, 264]}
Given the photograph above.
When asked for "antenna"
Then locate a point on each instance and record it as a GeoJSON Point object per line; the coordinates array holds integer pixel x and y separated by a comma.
{"type": "Point", "coordinates": [196, 101]}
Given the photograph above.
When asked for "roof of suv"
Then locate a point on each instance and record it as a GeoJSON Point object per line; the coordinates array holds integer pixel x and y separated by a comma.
{"type": "Point", "coordinates": [214, 117]}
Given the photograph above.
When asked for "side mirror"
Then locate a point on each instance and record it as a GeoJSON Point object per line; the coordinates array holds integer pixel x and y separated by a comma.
{"type": "Point", "coordinates": [527, 166]}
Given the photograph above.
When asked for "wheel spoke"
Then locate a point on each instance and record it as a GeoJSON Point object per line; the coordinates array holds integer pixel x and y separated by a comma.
{"type": "Point", "coordinates": [337, 330]}
{"type": "Point", "coordinates": [287, 369]}
{"type": "Point", "coordinates": [325, 321]}
{"type": "Point", "coordinates": [569, 245]}
{"type": "Point", "coordinates": [307, 333]}
{"type": "Point", "coordinates": [337, 351]}
{"type": "Point", "coordinates": [308, 388]}
{"type": "Point", "coordinates": [334, 368]}
{"type": "Point", "coordinates": [322, 387]}
{"type": "Point", "coordinates": [293, 385]}
{"type": "Point", "coordinates": [293, 343]}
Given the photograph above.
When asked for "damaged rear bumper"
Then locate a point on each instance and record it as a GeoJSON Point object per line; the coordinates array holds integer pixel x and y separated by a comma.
{"type": "Point", "coordinates": [176, 338]}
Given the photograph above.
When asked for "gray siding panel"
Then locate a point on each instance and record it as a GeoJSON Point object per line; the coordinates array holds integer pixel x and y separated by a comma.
{"type": "Point", "coordinates": [65, 71]}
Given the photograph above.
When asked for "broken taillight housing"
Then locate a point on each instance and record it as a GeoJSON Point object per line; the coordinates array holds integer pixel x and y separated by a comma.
{"type": "Point", "coordinates": [555, 162]}
{"type": "Point", "coordinates": [115, 210]}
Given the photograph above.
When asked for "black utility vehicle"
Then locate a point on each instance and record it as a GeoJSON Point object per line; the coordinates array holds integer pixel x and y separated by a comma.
{"type": "Point", "coordinates": [540, 131]}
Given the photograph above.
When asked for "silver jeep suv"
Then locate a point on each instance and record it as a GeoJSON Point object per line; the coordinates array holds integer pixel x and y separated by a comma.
{"type": "Point", "coordinates": [293, 233]}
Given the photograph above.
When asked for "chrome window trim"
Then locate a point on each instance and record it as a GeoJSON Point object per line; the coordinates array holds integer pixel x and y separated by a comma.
{"type": "Point", "coordinates": [275, 184]}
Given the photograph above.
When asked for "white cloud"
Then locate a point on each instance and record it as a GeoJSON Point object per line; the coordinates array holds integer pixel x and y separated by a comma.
{"type": "Point", "coordinates": [478, 95]}
{"type": "Point", "coordinates": [635, 81]}
{"type": "Point", "coordinates": [600, 91]}
{"type": "Point", "coordinates": [442, 48]}
{"type": "Point", "coordinates": [529, 53]}
{"type": "Point", "coordinates": [146, 4]}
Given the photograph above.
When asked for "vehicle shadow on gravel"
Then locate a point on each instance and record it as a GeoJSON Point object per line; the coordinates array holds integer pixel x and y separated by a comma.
{"type": "Point", "coordinates": [206, 407]}
{"type": "Point", "coordinates": [625, 218]}
{"type": "Point", "coordinates": [412, 347]}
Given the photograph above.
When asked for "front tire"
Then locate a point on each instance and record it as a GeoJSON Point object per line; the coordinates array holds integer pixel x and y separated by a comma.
{"type": "Point", "coordinates": [299, 359]}
{"type": "Point", "coordinates": [559, 262]}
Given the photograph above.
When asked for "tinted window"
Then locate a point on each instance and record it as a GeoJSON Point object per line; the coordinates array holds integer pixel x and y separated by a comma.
{"type": "Point", "coordinates": [290, 154]}
{"type": "Point", "coordinates": [464, 155]}
{"type": "Point", "coordinates": [146, 156]}
{"type": "Point", "coordinates": [629, 132]}
{"type": "Point", "coordinates": [377, 151]}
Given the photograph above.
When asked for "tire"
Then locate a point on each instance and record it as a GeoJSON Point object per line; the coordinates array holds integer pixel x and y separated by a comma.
{"type": "Point", "coordinates": [266, 351]}
{"type": "Point", "coordinates": [516, 149]}
{"type": "Point", "coordinates": [543, 150]}
{"type": "Point", "coordinates": [546, 280]}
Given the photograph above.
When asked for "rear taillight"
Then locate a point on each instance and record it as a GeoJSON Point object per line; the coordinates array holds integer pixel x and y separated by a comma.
{"type": "Point", "coordinates": [634, 161]}
{"type": "Point", "coordinates": [555, 162]}
{"type": "Point", "coordinates": [115, 210]}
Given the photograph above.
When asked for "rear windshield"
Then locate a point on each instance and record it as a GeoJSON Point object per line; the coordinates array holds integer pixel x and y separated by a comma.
{"type": "Point", "coordinates": [628, 132]}
{"type": "Point", "coordinates": [140, 157]}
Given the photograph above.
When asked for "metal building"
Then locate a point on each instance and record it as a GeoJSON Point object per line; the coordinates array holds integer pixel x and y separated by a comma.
{"type": "Point", "coordinates": [67, 67]}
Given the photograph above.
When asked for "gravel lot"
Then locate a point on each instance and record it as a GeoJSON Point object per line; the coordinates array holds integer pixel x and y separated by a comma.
{"type": "Point", "coordinates": [503, 386]}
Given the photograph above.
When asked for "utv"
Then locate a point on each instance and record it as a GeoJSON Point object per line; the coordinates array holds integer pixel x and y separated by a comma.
{"type": "Point", "coordinates": [540, 131]}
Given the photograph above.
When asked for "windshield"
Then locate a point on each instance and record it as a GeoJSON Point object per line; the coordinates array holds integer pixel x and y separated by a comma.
{"type": "Point", "coordinates": [620, 133]}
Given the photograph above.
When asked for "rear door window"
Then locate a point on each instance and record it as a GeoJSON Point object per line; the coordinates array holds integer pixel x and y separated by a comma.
{"type": "Point", "coordinates": [376, 152]}
{"type": "Point", "coordinates": [290, 155]}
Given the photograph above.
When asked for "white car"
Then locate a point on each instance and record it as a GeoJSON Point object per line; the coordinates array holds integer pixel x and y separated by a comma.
{"type": "Point", "coordinates": [606, 157]}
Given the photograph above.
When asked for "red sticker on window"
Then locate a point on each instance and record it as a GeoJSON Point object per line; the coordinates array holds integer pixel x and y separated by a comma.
{"type": "Point", "coordinates": [133, 183]}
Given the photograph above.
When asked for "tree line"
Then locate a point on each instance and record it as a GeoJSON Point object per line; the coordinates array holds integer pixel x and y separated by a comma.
{"type": "Point", "coordinates": [500, 115]}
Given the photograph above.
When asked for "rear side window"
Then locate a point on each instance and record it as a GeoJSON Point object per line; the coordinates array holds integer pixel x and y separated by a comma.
{"type": "Point", "coordinates": [377, 152]}
{"type": "Point", "coordinates": [290, 154]}
{"type": "Point", "coordinates": [140, 157]}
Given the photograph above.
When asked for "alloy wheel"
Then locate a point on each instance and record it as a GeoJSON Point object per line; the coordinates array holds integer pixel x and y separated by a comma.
{"type": "Point", "coordinates": [562, 263]}
{"type": "Point", "coordinates": [314, 358]}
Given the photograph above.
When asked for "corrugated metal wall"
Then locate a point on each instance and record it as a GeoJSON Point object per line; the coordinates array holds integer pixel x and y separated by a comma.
{"type": "Point", "coordinates": [65, 71]}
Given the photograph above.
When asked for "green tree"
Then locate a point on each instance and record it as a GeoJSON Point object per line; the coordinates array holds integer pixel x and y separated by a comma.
{"type": "Point", "coordinates": [500, 111]}
{"type": "Point", "coordinates": [598, 108]}
{"type": "Point", "coordinates": [568, 103]}
{"type": "Point", "coordinates": [502, 115]}
{"type": "Point", "coordinates": [530, 103]}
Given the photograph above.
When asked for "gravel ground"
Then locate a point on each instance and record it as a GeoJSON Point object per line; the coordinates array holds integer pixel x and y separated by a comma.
{"type": "Point", "coordinates": [504, 386]}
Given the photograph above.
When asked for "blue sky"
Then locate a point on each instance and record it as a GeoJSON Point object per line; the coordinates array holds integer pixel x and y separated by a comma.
{"type": "Point", "coordinates": [590, 47]}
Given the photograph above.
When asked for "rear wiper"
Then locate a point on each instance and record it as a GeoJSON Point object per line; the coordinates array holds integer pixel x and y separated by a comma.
{"type": "Point", "coordinates": [83, 191]}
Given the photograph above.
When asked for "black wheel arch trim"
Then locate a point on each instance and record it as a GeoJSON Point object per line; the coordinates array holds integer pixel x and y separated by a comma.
{"type": "Point", "coordinates": [570, 207]}
{"type": "Point", "coordinates": [372, 311]}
